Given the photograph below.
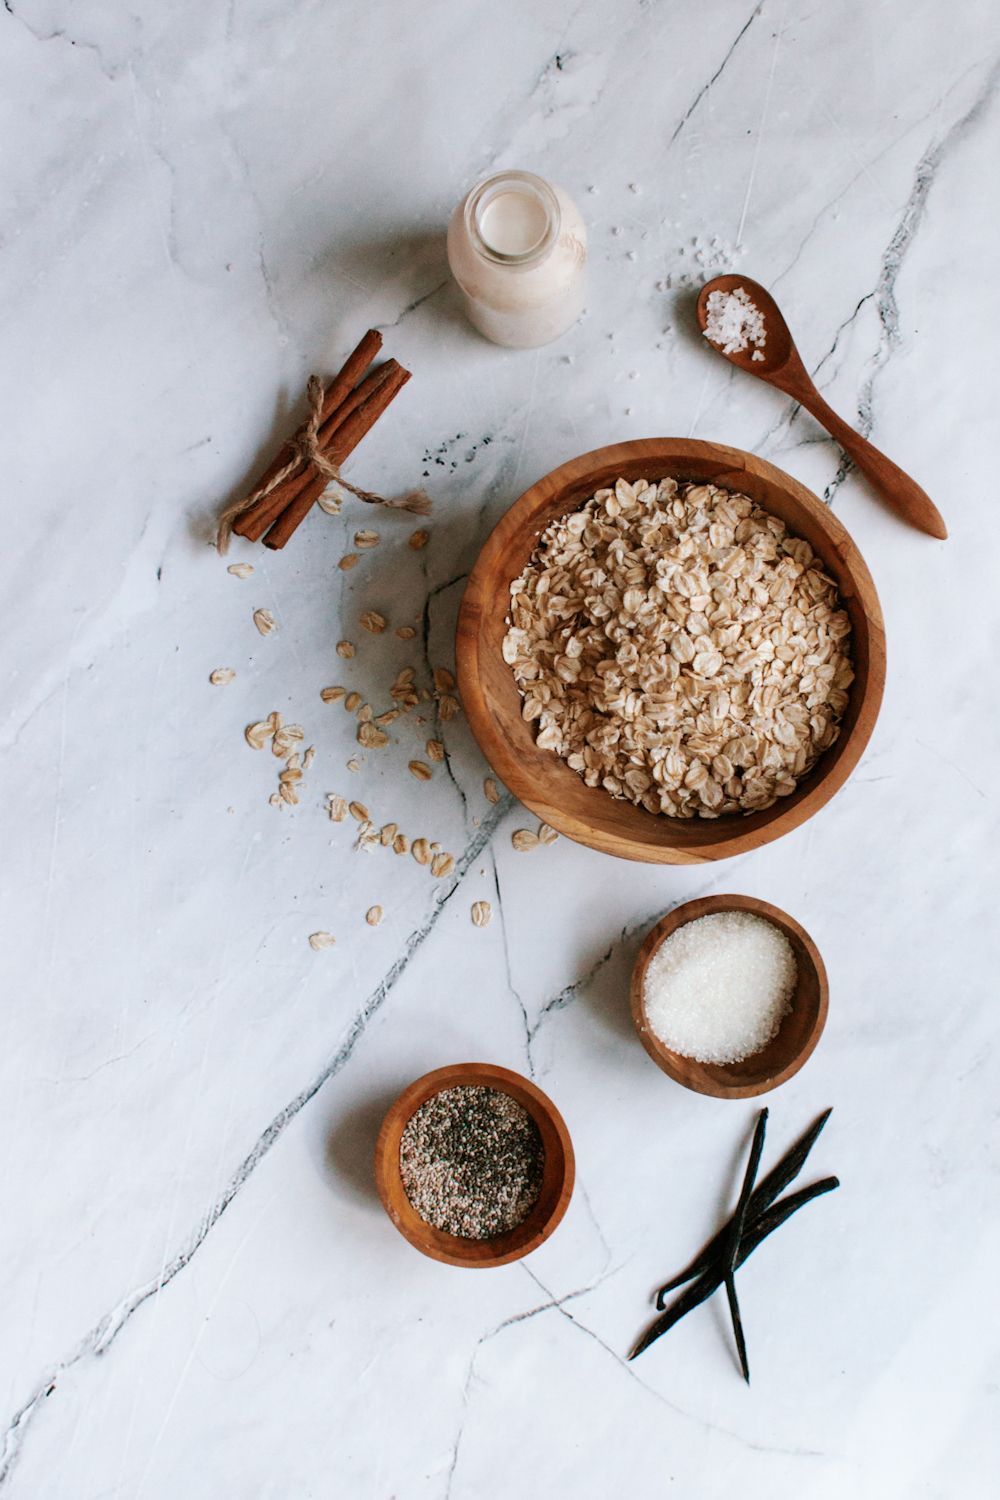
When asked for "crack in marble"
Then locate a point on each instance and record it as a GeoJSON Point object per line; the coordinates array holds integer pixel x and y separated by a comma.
{"type": "Point", "coordinates": [626, 1366]}
{"type": "Point", "coordinates": [492, 1333]}
{"type": "Point", "coordinates": [104, 1333]}
{"type": "Point", "coordinates": [111, 72]}
{"type": "Point", "coordinates": [571, 992]}
{"type": "Point", "coordinates": [412, 306]}
{"type": "Point", "coordinates": [884, 291]}
{"type": "Point", "coordinates": [895, 254]}
{"type": "Point", "coordinates": [717, 74]}
{"type": "Point", "coordinates": [425, 643]}
{"type": "Point", "coordinates": [512, 987]}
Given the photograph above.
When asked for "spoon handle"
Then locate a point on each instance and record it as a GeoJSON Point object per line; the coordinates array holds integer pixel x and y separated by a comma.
{"type": "Point", "coordinates": [898, 490]}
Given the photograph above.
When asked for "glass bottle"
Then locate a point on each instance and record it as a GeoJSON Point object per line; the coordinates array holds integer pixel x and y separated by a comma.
{"type": "Point", "coordinates": [517, 246]}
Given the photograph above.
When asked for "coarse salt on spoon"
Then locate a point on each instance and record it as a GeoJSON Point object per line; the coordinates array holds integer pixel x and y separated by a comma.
{"type": "Point", "coordinates": [774, 358]}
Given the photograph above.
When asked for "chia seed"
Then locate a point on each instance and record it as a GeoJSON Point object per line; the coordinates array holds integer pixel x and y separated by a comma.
{"type": "Point", "coordinates": [471, 1159]}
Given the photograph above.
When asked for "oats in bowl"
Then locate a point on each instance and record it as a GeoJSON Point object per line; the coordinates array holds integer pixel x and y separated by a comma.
{"type": "Point", "coordinates": [676, 645]}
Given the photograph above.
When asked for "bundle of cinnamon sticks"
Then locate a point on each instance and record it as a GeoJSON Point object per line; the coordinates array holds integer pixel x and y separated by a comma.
{"type": "Point", "coordinates": [339, 418]}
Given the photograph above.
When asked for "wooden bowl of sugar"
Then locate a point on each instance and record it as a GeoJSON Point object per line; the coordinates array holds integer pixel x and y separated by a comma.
{"type": "Point", "coordinates": [733, 1006]}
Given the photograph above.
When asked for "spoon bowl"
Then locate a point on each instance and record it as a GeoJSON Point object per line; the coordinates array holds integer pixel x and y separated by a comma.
{"type": "Point", "coordinates": [778, 346]}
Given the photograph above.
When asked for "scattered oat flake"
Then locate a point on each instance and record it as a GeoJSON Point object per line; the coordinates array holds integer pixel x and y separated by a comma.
{"type": "Point", "coordinates": [419, 539]}
{"type": "Point", "coordinates": [400, 844]}
{"type": "Point", "coordinates": [293, 763]}
{"type": "Point", "coordinates": [354, 764]}
{"type": "Point", "coordinates": [442, 865]}
{"type": "Point", "coordinates": [435, 750]}
{"type": "Point", "coordinates": [523, 839]}
{"type": "Point", "coordinates": [371, 737]}
{"type": "Point", "coordinates": [336, 807]}
{"type": "Point", "coordinates": [444, 680]}
{"type": "Point", "coordinates": [421, 851]}
{"type": "Point", "coordinates": [490, 790]}
{"type": "Point", "coordinates": [264, 621]}
{"type": "Point", "coordinates": [406, 632]}
{"type": "Point", "coordinates": [352, 702]}
{"type": "Point", "coordinates": [332, 694]}
{"type": "Point", "coordinates": [389, 717]}
{"type": "Point", "coordinates": [348, 561]}
{"type": "Point", "coordinates": [309, 757]}
{"type": "Point", "coordinates": [421, 770]}
{"type": "Point", "coordinates": [221, 676]}
{"type": "Point", "coordinates": [346, 649]}
{"type": "Point", "coordinates": [387, 833]}
{"type": "Point", "coordinates": [240, 570]}
{"type": "Point", "coordinates": [482, 913]}
{"type": "Point", "coordinates": [546, 834]}
{"type": "Point", "coordinates": [287, 793]}
{"type": "Point", "coordinates": [359, 810]}
{"type": "Point", "coordinates": [275, 801]}
{"type": "Point", "coordinates": [447, 706]}
{"type": "Point", "coordinates": [366, 539]}
{"type": "Point", "coordinates": [373, 916]}
{"type": "Point", "coordinates": [367, 839]}
{"type": "Point", "coordinates": [320, 940]}
{"type": "Point", "coordinates": [373, 621]}
{"type": "Point", "coordinates": [257, 735]}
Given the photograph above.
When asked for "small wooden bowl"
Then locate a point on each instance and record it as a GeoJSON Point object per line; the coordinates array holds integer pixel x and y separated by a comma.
{"type": "Point", "coordinates": [543, 781]}
{"type": "Point", "coordinates": [557, 1175]}
{"type": "Point", "coordinates": [797, 1036]}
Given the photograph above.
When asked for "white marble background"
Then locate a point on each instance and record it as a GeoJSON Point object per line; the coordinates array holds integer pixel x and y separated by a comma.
{"type": "Point", "coordinates": [203, 202]}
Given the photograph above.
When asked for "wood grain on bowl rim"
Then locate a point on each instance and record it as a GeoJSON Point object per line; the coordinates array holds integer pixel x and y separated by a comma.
{"type": "Point", "coordinates": [558, 1171]}
{"type": "Point", "coordinates": [541, 779]}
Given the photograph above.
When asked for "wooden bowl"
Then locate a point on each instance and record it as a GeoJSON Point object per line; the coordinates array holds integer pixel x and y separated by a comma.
{"type": "Point", "coordinates": [539, 778]}
{"type": "Point", "coordinates": [796, 1037]}
{"type": "Point", "coordinates": [557, 1175]}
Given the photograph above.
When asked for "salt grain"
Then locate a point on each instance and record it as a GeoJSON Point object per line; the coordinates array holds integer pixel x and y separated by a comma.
{"type": "Point", "coordinates": [718, 988]}
{"type": "Point", "coordinates": [734, 322]}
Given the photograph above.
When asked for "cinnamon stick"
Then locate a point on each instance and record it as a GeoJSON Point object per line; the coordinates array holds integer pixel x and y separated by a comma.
{"type": "Point", "coordinates": [339, 388]}
{"type": "Point", "coordinates": [253, 523]}
{"type": "Point", "coordinates": [345, 440]}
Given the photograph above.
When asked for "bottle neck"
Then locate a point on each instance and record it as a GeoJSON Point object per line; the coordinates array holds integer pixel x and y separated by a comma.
{"type": "Point", "coordinates": [513, 219]}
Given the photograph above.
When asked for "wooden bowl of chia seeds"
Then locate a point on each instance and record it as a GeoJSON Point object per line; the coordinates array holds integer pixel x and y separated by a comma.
{"type": "Point", "coordinates": [474, 1165]}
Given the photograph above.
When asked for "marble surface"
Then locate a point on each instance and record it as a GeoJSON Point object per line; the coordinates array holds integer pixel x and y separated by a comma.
{"type": "Point", "coordinates": [201, 1295]}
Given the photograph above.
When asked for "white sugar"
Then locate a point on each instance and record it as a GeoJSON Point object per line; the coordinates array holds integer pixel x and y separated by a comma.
{"type": "Point", "coordinates": [718, 988]}
{"type": "Point", "coordinates": [733, 321]}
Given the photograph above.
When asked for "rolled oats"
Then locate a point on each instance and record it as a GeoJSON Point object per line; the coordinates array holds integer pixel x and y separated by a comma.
{"type": "Point", "coordinates": [482, 913]}
{"type": "Point", "coordinates": [677, 646]}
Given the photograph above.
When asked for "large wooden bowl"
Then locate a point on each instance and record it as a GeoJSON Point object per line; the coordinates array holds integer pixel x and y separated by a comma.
{"type": "Point", "coordinates": [558, 1171]}
{"type": "Point", "coordinates": [539, 778]}
{"type": "Point", "coordinates": [796, 1037]}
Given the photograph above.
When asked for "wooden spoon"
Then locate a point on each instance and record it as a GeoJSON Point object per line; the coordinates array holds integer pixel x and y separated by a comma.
{"type": "Point", "coordinates": [782, 366]}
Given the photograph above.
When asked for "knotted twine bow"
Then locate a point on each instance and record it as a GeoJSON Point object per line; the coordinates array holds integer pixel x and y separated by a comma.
{"type": "Point", "coordinates": [306, 454]}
